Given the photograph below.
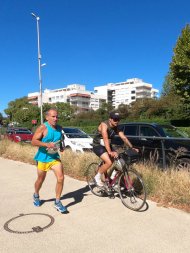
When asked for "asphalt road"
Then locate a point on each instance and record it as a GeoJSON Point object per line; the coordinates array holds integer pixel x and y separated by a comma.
{"type": "Point", "coordinates": [93, 224]}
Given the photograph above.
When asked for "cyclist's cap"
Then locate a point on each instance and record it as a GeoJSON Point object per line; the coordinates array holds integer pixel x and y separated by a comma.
{"type": "Point", "coordinates": [114, 115]}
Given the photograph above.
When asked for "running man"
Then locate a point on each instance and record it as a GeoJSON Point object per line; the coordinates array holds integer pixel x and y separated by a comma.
{"type": "Point", "coordinates": [48, 137]}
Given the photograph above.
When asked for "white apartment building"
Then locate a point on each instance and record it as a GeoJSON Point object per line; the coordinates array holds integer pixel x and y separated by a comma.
{"type": "Point", "coordinates": [126, 92]}
{"type": "Point", "coordinates": [96, 101]}
{"type": "Point", "coordinates": [75, 94]}
{"type": "Point", "coordinates": [115, 93]}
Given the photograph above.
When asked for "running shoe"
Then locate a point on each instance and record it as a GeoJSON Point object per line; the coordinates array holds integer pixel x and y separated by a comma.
{"type": "Point", "coordinates": [36, 200]}
{"type": "Point", "coordinates": [60, 207]}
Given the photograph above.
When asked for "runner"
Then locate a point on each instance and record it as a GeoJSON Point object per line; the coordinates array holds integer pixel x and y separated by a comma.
{"type": "Point", "coordinates": [48, 137]}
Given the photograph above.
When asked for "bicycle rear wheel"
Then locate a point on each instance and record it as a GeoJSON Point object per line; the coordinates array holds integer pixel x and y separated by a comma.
{"type": "Point", "coordinates": [90, 174]}
{"type": "Point", "coordinates": [132, 190]}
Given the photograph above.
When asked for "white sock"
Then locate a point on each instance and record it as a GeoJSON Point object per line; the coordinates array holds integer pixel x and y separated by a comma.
{"type": "Point", "coordinates": [98, 175]}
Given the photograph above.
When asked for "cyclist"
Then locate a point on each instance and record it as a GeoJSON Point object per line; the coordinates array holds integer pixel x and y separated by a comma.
{"type": "Point", "coordinates": [101, 143]}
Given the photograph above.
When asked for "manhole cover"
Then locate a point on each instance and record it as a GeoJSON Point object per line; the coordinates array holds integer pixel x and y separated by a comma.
{"type": "Point", "coordinates": [29, 223]}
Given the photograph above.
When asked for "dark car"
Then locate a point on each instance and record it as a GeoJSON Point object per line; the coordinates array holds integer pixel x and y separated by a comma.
{"type": "Point", "coordinates": [164, 151]}
{"type": "Point", "coordinates": [19, 134]}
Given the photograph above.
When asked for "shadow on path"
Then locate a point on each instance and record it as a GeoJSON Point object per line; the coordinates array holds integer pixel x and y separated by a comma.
{"type": "Point", "coordinates": [77, 195]}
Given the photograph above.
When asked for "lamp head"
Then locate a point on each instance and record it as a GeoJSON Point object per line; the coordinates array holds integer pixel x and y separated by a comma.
{"type": "Point", "coordinates": [34, 15]}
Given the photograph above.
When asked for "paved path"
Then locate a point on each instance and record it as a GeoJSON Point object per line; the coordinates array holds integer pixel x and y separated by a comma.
{"type": "Point", "coordinates": [92, 225]}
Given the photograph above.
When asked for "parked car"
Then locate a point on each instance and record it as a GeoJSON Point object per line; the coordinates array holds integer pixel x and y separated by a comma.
{"type": "Point", "coordinates": [176, 151]}
{"type": "Point", "coordinates": [77, 140]}
{"type": "Point", "coordinates": [19, 134]}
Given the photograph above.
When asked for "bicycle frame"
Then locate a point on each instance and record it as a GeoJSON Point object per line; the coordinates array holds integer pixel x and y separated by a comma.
{"type": "Point", "coordinates": [111, 182]}
{"type": "Point", "coordinates": [127, 182]}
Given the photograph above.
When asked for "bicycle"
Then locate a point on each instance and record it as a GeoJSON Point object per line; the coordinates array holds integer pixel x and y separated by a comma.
{"type": "Point", "coordinates": [127, 181]}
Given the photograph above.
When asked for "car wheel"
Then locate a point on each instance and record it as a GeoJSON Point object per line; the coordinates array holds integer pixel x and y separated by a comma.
{"type": "Point", "coordinates": [183, 164]}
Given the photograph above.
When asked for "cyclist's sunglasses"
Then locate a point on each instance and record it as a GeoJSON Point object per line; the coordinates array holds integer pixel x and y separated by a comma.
{"type": "Point", "coordinates": [116, 119]}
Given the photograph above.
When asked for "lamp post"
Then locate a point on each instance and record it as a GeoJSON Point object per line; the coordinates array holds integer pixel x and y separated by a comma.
{"type": "Point", "coordinates": [39, 66]}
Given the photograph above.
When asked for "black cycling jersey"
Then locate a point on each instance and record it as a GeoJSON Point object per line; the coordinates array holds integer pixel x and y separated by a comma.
{"type": "Point", "coordinates": [112, 131]}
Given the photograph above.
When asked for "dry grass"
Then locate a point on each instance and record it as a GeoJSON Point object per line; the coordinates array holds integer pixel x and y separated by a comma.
{"type": "Point", "coordinates": [169, 188]}
{"type": "Point", "coordinates": [17, 151]}
{"type": "Point", "coordinates": [75, 164]}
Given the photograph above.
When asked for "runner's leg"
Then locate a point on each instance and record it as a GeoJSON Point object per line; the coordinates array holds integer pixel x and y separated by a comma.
{"type": "Point", "coordinates": [59, 173]}
{"type": "Point", "coordinates": [40, 179]}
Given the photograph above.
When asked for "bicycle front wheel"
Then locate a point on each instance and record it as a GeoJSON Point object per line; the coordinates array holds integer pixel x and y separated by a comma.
{"type": "Point", "coordinates": [132, 190]}
{"type": "Point", "coordinates": [90, 174]}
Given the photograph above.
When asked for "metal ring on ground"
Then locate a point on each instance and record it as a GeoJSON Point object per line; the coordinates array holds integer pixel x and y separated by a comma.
{"type": "Point", "coordinates": [36, 229]}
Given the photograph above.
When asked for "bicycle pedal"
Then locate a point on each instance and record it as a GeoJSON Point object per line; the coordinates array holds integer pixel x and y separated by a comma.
{"type": "Point", "coordinates": [111, 196]}
{"type": "Point", "coordinates": [109, 191]}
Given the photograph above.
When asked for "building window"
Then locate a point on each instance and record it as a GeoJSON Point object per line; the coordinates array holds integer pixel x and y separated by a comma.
{"type": "Point", "coordinates": [133, 98]}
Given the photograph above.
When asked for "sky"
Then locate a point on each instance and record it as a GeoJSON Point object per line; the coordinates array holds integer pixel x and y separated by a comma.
{"type": "Point", "coordinates": [87, 42]}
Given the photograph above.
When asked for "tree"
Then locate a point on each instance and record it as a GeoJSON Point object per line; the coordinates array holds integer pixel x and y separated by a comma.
{"type": "Point", "coordinates": [21, 111]}
{"type": "Point", "coordinates": [65, 111]}
{"type": "Point", "coordinates": [104, 110]}
{"type": "Point", "coordinates": [139, 108]}
{"type": "Point", "coordinates": [168, 88]}
{"type": "Point", "coordinates": [180, 66]}
{"type": "Point", "coordinates": [123, 110]}
{"type": "Point", "coordinates": [1, 118]}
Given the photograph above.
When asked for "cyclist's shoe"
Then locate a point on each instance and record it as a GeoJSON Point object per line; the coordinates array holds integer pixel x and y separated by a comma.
{"type": "Point", "coordinates": [98, 181]}
{"type": "Point", "coordinates": [60, 207]}
{"type": "Point", "coordinates": [116, 187]}
{"type": "Point", "coordinates": [36, 200]}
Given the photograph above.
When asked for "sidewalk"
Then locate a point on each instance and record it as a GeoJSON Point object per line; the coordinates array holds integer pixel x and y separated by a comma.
{"type": "Point", "coordinates": [93, 224]}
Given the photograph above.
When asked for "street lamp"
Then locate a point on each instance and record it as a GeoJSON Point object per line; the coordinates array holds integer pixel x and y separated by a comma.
{"type": "Point", "coordinates": [39, 66]}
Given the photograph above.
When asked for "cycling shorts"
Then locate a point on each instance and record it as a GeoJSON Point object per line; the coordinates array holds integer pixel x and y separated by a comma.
{"type": "Point", "coordinates": [47, 166]}
{"type": "Point", "coordinates": [100, 150]}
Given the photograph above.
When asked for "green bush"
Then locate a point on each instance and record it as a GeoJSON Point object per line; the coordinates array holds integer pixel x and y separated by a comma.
{"type": "Point", "coordinates": [186, 130]}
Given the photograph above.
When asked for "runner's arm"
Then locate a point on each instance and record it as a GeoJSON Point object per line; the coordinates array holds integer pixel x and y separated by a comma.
{"type": "Point", "coordinates": [38, 135]}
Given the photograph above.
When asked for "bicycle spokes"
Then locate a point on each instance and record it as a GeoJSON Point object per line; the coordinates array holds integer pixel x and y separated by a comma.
{"type": "Point", "coordinates": [131, 190]}
{"type": "Point", "coordinates": [90, 174]}
{"type": "Point", "coordinates": [129, 185]}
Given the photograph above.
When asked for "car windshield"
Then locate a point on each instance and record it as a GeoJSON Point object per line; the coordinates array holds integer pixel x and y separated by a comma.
{"type": "Point", "coordinates": [75, 133]}
{"type": "Point", "coordinates": [171, 131]}
{"type": "Point", "coordinates": [19, 131]}
{"type": "Point", "coordinates": [23, 132]}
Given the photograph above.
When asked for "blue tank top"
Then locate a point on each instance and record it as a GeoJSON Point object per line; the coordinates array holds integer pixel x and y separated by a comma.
{"type": "Point", "coordinates": [53, 135]}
